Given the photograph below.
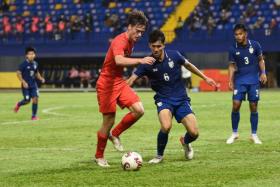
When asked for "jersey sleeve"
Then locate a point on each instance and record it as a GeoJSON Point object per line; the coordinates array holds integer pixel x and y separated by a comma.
{"type": "Point", "coordinates": [182, 60]}
{"type": "Point", "coordinates": [258, 49]}
{"type": "Point", "coordinates": [140, 71]}
{"type": "Point", "coordinates": [231, 56]}
{"type": "Point", "coordinates": [21, 67]}
{"type": "Point", "coordinates": [118, 47]}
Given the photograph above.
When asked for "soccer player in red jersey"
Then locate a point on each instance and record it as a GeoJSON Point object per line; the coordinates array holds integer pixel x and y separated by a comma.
{"type": "Point", "coordinates": [112, 89]}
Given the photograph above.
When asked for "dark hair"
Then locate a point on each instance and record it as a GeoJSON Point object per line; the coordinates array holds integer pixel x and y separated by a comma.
{"type": "Point", "coordinates": [30, 49]}
{"type": "Point", "coordinates": [137, 17]}
{"type": "Point", "coordinates": [240, 26]}
{"type": "Point", "coordinates": [156, 35]}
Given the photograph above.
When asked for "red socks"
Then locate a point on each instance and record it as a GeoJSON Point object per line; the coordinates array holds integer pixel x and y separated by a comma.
{"type": "Point", "coordinates": [101, 144]}
{"type": "Point", "coordinates": [127, 121]}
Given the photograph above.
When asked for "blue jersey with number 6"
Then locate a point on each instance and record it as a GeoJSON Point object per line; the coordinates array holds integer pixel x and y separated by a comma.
{"type": "Point", "coordinates": [165, 76]}
{"type": "Point", "coordinates": [246, 59]}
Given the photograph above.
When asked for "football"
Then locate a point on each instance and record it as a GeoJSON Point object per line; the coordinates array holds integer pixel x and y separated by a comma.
{"type": "Point", "coordinates": [131, 161]}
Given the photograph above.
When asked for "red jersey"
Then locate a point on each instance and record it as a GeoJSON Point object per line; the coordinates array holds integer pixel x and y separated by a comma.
{"type": "Point", "coordinates": [111, 74]}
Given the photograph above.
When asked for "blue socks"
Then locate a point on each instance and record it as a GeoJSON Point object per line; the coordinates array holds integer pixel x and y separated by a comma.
{"type": "Point", "coordinates": [188, 138]}
{"type": "Point", "coordinates": [34, 109]}
{"type": "Point", "coordinates": [235, 117]}
{"type": "Point", "coordinates": [22, 102]}
{"type": "Point", "coordinates": [254, 118]}
{"type": "Point", "coordinates": [162, 140]}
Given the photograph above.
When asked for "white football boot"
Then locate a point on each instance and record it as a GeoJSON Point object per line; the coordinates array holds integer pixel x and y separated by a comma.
{"type": "Point", "coordinates": [187, 148]}
{"type": "Point", "coordinates": [255, 139]}
{"type": "Point", "coordinates": [102, 162]}
{"type": "Point", "coordinates": [116, 142]}
{"type": "Point", "coordinates": [232, 138]}
{"type": "Point", "coordinates": [156, 160]}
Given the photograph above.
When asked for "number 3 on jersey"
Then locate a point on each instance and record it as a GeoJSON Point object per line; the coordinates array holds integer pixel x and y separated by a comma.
{"type": "Point", "coordinates": [246, 60]}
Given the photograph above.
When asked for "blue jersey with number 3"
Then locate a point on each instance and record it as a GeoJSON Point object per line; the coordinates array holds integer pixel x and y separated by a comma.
{"type": "Point", "coordinates": [165, 76]}
{"type": "Point", "coordinates": [28, 71]}
{"type": "Point", "coordinates": [246, 59]}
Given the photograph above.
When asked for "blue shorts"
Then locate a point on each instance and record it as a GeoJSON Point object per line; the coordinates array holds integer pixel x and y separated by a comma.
{"type": "Point", "coordinates": [179, 109]}
{"type": "Point", "coordinates": [29, 93]}
{"type": "Point", "coordinates": [252, 91]}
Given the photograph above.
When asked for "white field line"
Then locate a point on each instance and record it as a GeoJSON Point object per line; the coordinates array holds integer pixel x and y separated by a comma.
{"type": "Point", "coordinates": [45, 111]}
{"type": "Point", "coordinates": [50, 111]}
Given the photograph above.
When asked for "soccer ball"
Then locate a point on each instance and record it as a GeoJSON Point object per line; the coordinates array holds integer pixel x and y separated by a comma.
{"type": "Point", "coordinates": [131, 161]}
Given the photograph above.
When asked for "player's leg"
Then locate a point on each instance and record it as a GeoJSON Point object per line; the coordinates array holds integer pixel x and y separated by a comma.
{"type": "Point", "coordinates": [34, 108]}
{"type": "Point", "coordinates": [165, 119]}
{"type": "Point", "coordinates": [136, 112]}
{"type": "Point", "coordinates": [184, 114]}
{"type": "Point", "coordinates": [191, 135]}
{"type": "Point", "coordinates": [102, 137]}
{"type": "Point", "coordinates": [107, 106]}
{"type": "Point", "coordinates": [235, 118]}
{"type": "Point", "coordinates": [253, 97]}
{"type": "Point", "coordinates": [26, 100]}
{"type": "Point", "coordinates": [34, 93]}
{"type": "Point", "coordinates": [238, 95]}
{"type": "Point", "coordinates": [130, 100]}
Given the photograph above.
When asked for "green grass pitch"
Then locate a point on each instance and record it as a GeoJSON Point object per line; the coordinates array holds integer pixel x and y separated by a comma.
{"type": "Point", "coordinates": [58, 149]}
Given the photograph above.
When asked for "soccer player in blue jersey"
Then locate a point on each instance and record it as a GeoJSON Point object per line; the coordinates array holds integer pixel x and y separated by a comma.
{"type": "Point", "coordinates": [171, 98]}
{"type": "Point", "coordinates": [27, 74]}
{"type": "Point", "coordinates": [246, 71]}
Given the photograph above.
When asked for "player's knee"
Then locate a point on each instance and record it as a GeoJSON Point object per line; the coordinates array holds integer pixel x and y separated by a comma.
{"type": "Point", "coordinates": [194, 135]}
{"type": "Point", "coordinates": [235, 108]}
{"type": "Point", "coordinates": [35, 101]}
{"type": "Point", "coordinates": [108, 123]}
{"type": "Point", "coordinates": [253, 107]}
{"type": "Point", "coordinates": [166, 129]}
{"type": "Point", "coordinates": [26, 101]}
{"type": "Point", "coordinates": [139, 112]}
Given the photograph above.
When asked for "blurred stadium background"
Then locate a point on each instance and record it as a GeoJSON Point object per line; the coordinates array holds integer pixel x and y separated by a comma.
{"type": "Point", "coordinates": [74, 35]}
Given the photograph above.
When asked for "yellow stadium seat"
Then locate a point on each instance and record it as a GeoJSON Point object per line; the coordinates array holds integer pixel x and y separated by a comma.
{"type": "Point", "coordinates": [26, 13]}
{"type": "Point", "coordinates": [58, 6]}
{"type": "Point", "coordinates": [112, 5]}
{"type": "Point", "coordinates": [168, 3]}
{"type": "Point", "coordinates": [127, 10]}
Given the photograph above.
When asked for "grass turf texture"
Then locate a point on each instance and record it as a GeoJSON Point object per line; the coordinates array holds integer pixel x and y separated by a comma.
{"type": "Point", "coordinates": [58, 149]}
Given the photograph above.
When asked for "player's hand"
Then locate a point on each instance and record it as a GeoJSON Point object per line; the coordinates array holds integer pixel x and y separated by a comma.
{"type": "Point", "coordinates": [211, 82]}
{"type": "Point", "coordinates": [230, 85]}
{"type": "Point", "coordinates": [263, 78]}
{"type": "Point", "coordinates": [147, 60]}
{"type": "Point", "coordinates": [24, 84]}
{"type": "Point", "coordinates": [43, 80]}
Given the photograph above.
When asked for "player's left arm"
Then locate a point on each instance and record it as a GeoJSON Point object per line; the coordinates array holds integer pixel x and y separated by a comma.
{"type": "Point", "coordinates": [38, 76]}
{"type": "Point", "coordinates": [196, 71]}
{"type": "Point", "coordinates": [263, 77]}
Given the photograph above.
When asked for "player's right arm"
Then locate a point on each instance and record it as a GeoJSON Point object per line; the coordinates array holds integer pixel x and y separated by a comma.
{"type": "Point", "coordinates": [125, 61]}
{"type": "Point", "coordinates": [131, 79]}
{"type": "Point", "coordinates": [231, 70]}
{"type": "Point", "coordinates": [24, 83]}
